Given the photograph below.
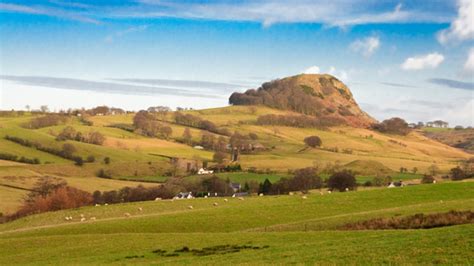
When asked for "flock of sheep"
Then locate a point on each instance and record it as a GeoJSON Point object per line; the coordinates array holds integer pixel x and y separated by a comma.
{"type": "Point", "coordinates": [82, 217]}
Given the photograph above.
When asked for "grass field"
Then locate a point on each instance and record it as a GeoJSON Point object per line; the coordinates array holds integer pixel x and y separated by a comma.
{"type": "Point", "coordinates": [283, 229]}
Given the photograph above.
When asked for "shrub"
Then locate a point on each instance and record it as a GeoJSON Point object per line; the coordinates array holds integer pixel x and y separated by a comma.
{"type": "Point", "coordinates": [342, 180]}
{"type": "Point", "coordinates": [313, 141]}
{"type": "Point", "coordinates": [90, 159]}
{"type": "Point", "coordinates": [45, 121]}
{"type": "Point", "coordinates": [107, 160]}
{"type": "Point", "coordinates": [457, 173]}
{"type": "Point", "coordinates": [104, 174]}
{"type": "Point", "coordinates": [427, 179]}
{"type": "Point", "coordinates": [393, 126]}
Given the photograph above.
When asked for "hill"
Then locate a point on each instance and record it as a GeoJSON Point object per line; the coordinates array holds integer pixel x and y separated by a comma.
{"type": "Point", "coordinates": [321, 96]}
{"type": "Point", "coordinates": [462, 138]}
{"type": "Point", "coordinates": [256, 230]}
{"type": "Point", "coordinates": [136, 159]}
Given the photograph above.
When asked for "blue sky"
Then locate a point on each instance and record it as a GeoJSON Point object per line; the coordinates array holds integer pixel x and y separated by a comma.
{"type": "Point", "coordinates": [413, 59]}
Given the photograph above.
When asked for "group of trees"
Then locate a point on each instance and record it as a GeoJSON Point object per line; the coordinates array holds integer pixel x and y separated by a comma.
{"type": "Point", "coordinates": [45, 121]}
{"type": "Point", "coordinates": [301, 121]}
{"type": "Point", "coordinates": [15, 158]}
{"type": "Point", "coordinates": [67, 151]}
{"type": "Point", "coordinates": [308, 178]}
{"type": "Point", "coordinates": [197, 122]}
{"type": "Point", "coordinates": [69, 133]}
{"type": "Point", "coordinates": [394, 125]}
{"type": "Point", "coordinates": [146, 124]}
{"type": "Point", "coordinates": [51, 194]}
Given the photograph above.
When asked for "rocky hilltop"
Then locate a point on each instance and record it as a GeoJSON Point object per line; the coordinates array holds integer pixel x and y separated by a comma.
{"type": "Point", "coordinates": [322, 96]}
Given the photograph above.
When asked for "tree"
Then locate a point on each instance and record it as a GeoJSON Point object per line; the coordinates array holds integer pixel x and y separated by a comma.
{"type": "Point", "coordinates": [219, 157]}
{"type": "Point", "coordinates": [96, 138]}
{"type": "Point", "coordinates": [313, 141]}
{"type": "Point", "coordinates": [166, 132]}
{"type": "Point", "coordinates": [68, 149]}
{"type": "Point", "coordinates": [44, 109]}
{"type": "Point", "coordinates": [433, 170]}
{"type": "Point", "coordinates": [266, 187]}
{"type": "Point", "coordinates": [457, 173]}
{"type": "Point", "coordinates": [393, 125]}
{"type": "Point", "coordinates": [342, 180]}
{"type": "Point", "coordinates": [305, 179]}
{"type": "Point", "coordinates": [107, 160]}
{"type": "Point", "coordinates": [187, 136]}
{"type": "Point", "coordinates": [427, 179]}
{"type": "Point", "coordinates": [67, 133]}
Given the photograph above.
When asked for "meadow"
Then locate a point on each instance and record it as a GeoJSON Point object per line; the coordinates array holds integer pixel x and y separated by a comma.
{"type": "Point", "coordinates": [256, 230]}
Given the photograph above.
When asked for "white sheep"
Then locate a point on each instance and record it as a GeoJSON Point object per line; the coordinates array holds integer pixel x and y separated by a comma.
{"type": "Point", "coordinates": [66, 218]}
{"type": "Point", "coordinates": [216, 204]}
{"type": "Point", "coordinates": [127, 214]}
{"type": "Point", "coordinates": [329, 191]}
{"type": "Point", "coordinates": [226, 200]}
{"type": "Point", "coordinates": [140, 209]}
{"type": "Point", "coordinates": [304, 197]}
{"type": "Point", "coordinates": [106, 204]}
{"type": "Point", "coordinates": [321, 193]}
{"type": "Point", "coordinates": [92, 218]}
{"type": "Point", "coordinates": [190, 207]}
{"type": "Point", "coordinates": [290, 193]}
{"type": "Point", "coordinates": [97, 205]}
{"type": "Point", "coordinates": [82, 215]}
{"type": "Point", "coordinates": [240, 198]}
{"type": "Point", "coordinates": [347, 189]}
{"type": "Point", "coordinates": [260, 195]}
{"type": "Point", "coordinates": [157, 199]}
{"type": "Point", "coordinates": [83, 219]}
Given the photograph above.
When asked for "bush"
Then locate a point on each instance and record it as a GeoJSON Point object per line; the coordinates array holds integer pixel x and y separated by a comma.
{"type": "Point", "coordinates": [457, 173]}
{"type": "Point", "coordinates": [342, 180]}
{"type": "Point", "coordinates": [90, 159]}
{"type": "Point", "coordinates": [393, 126]}
{"type": "Point", "coordinates": [104, 174]}
{"type": "Point", "coordinates": [107, 160]}
{"type": "Point", "coordinates": [313, 141]}
{"type": "Point", "coordinates": [427, 179]}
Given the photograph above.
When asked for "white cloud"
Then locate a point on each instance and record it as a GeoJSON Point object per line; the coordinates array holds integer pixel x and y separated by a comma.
{"type": "Point", "coordinates": [462, 28]}
{"type": "Point", "coordinates": [432, 60]}
{"type": "Point", "coordinates": [366, 46]}
{"type": "Point", "coordinates": [111, 37]}
{"type": "Point", "coordinates": [312, 70]}
{"type": "Point", "coordinates": [469, 65]}
{"type": "Point", "coordinates": [341, 74]}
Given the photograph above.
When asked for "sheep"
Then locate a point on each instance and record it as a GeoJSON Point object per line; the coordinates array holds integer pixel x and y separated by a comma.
{"type": "Point", "coordinates": [240, 198]}
{"type": "Point", "coordinates": [157, 199]}
{"type": "Point", "coordinates": [66, 218]}
{"type": "Point", "coordinates": [321, 193]}
{"type": "Point", "coordinates": [106, 204]}
{"type": "Point", "coordinates": [304, 197]}
{"type": "Point", "coordinates": [226, 200]}
{"type": "Point", "coordinates": [216, 204]}
{"type": "Point", "coordinates": [290, 193]}
{"type": "Point", "coordinates": [347, 189]}
{"type": "Point", "coordinates": [190, 207]}
{"type": "Point", "coordinates": [92, 218]}
{"type": "Point", "coordinates": [140, 209]}
{"type": "Point", "coordinates": [83, 219]}
{"type": "Point", "coordinates": [97, 205]}
{"type": "Point", "coordinates": [82, 215]}
{"type": "Point", "coordinates": [127, 214]}
{"type": "Point", "coordinates": [329, 191]}
{"type": "Point", "coordinates": [260, 195]}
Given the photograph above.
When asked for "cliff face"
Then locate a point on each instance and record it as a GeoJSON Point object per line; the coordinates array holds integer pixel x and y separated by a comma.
{"type": "Point", "coordinates": [322, 96]}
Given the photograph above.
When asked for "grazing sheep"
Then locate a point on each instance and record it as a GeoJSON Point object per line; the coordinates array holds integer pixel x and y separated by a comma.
{"type": "Point", "coordinates": [127, 214]}
{"type": "Point", "coordinates": [70, 218]}
{"type": "Point", "coordinates": [66, 218]}
{"type": "Point", "coordinates": [82, 215]}
{"type": "Point", "coordinates": [140, 209]}
{"type": "Point", "coordinates": [304, 197]}
{"type": "Point", "coordinates": [329, 191]}
{"type": "Point", "coordinates": [290, 193]}
{"type": "Point", "coordinates": [83, 219]}
{"type": "Point", "coordinates": [97, 205]}
{"type": "Point", "coordinates": [215, 204]}
{"type": "Point", "coordinates": [240, 198]}
{"type": "Point", "coordinates": [347, 189]}
{"type": "Point", "coordinates": [205, 197]}
{"type": "Point", "coordinates": [190, 207]}
{"type": "Point", "coordinates": [106, 204]}
{"type": "Point", "coordinates": [157, 199]}
{"type": "Point", "coordinates": [92, 218]}
{"type": "Point", "coordinates": [226, 200]}
{"type": "Point", "coordinates": [260, 195]}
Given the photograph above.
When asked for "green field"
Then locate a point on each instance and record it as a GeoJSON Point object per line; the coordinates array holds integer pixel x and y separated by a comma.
{"type": "Point", "coordinates": [287, 229]}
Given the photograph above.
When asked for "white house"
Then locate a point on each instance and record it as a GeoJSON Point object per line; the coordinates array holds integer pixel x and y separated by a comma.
{"type": "Point", "coordinates": [202, 171]}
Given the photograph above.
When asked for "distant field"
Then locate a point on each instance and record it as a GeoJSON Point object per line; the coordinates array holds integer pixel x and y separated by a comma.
{"type": "Point", "coordinates": [285, 228]}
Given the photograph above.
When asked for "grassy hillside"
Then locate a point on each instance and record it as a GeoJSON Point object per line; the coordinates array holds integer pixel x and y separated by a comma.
{"type": "Point", "coordinates": [135, 157]}
{"type": "Point", "coordinates": [285, 228]}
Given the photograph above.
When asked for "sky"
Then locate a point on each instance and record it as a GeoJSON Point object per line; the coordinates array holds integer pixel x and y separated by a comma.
{"type": "Point", "coordinates": [407, 58]}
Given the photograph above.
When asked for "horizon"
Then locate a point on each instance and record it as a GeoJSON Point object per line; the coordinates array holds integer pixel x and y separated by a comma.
{"type": "Point", "coordinates": [399, 59]}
